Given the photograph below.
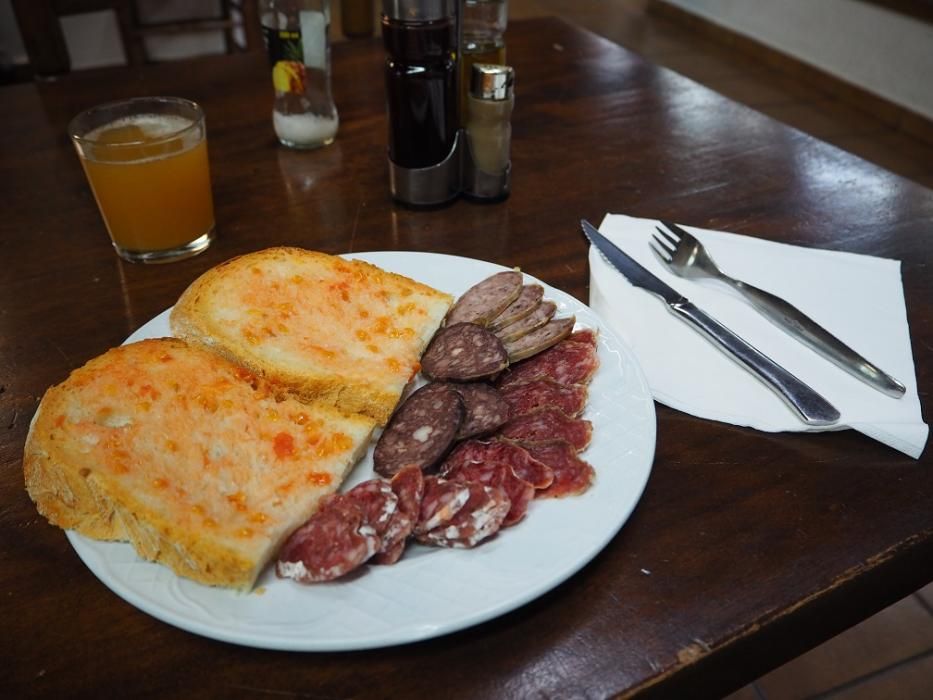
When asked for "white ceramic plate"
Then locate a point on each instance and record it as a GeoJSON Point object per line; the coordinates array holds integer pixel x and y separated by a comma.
{"type": "Point", "coordinates": [431, 591]}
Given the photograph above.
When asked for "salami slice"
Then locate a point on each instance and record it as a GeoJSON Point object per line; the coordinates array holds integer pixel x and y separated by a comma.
{"type": "Point", "coordinates": [540, 315]}
{"type": "Point", "coordinates": [500, 474]}
{"type": "Point", "coordinates": [486, 409]}
{"type": "Point", "coordinates": [464, 352]}
{"type": "Point", "coordinates": [383, 518]}
{"type": "Point", "coordinates": [548, 424]}
{"type": "Point", "coordinates": [499, 452]}
{"type": "Point", "coordinates": [331, 544]}
{"type": "Point", "coordinates": [572, 475]}
{"type": "Point", "coordinates": [485, 300]}
{"type": "Point", "coordinates": [541, 393]}
{"type": "Point", "coordinates": [480, 518]}
{"type": "Point", "coordinates": [420, 432]}
{"type": "Point", "coordinates": [408, 487]}
{"type": "Point", "coordinates": [527, 301]}
{"type": "Point", "coordinates": [540, 339]}
{"type": "Point", "coordinates": [442, 500]}
{"type": "Point", "coordinates": [568, 362]}
{"type": "Point", "coordinates": [584, 335]}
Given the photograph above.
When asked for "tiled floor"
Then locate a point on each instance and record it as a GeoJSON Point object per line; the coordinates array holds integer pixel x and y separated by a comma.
{"type": "Point", "coordinates": [891, 654]}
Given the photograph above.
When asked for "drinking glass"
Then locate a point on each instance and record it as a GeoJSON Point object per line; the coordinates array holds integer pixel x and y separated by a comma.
{"type": "Point", "coordinates": [146, 161]}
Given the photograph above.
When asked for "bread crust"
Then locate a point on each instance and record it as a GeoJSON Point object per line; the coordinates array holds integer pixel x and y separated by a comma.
{"type": "Point", "coordinates": [95, 459]}
{"type": "Point", "coordinates": [323, 328]}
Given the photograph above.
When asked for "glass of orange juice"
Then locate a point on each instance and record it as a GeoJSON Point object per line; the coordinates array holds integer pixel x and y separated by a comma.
{"type": "Point", "coordinates": [146, 161]}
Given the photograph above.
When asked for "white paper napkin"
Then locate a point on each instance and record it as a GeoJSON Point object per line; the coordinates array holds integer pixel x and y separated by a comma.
{"type": "Point", "coordinates": [858, 298]}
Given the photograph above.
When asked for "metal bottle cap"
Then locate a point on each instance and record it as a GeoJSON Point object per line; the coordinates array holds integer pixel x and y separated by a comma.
{"type": "Point", "coordinates": [491, 82]}
{"type": "Point", "coordinates": [417, 10]}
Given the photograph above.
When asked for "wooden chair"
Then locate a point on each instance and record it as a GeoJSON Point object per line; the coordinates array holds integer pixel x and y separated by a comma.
{"type": "Point", "coordinates": [45, 42]}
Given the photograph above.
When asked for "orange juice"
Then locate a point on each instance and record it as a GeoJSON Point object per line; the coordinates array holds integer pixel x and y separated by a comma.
{"type": "Point", "coordinates": [150, 177]}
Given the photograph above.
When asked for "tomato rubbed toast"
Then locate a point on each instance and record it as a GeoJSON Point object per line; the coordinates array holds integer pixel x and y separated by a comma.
{"type": "Point", "coordinates": [339, 331]}
{"type": "Point", "coordinates": [191, 458]}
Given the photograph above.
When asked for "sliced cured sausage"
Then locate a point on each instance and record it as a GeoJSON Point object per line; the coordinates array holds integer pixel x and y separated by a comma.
{"type": "Point", "coordinates": [568, 362]}
{"type": "Point", "coordinates": [540, 339]}
{"type": "Point", "coordinates": [527, 301]}
{"type": "Point", "coordinates": [485, 409]}
{"type": "Point", "coordinates": [378, 503]}
{"type": "Point", "coordinates": [420, 432]}
{"type": "Point", "coordinates": [486, 299]}
{"type": "Point", "coordinates": [541, 393]}
{"type": "Point", "coordinates": [549, 424]}
{"type": "Point", "coordinates": [331, 544]}
{"type": "Point", "coordinates": [480, 518]}
{"type": "Point", "coordinates": [572, 475]}
{"type": "Point", "coordinates": [500, 474]}
{"type": "Point", "coordinates": [499, 452]}
{"type": "Point", "coordinates": [464, 352]}
{"type": "Point", "coordinates": [540, 315]}
{"type": "Point", "coordinates": [584, 335]}
{"type": "Point", "coordinates": [408, 487]}
{"type": "Point", "coordinates": [442, 500]}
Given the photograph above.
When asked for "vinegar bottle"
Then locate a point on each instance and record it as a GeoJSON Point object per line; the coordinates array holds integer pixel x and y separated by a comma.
{"type": "Point", "coordinates": [420, 39]}
{"type": "Point", "coordinates": [296, 36]}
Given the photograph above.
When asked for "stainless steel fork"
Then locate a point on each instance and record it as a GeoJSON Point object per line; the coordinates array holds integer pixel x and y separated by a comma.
{"type": "Point", "coordinates": [686, 257]}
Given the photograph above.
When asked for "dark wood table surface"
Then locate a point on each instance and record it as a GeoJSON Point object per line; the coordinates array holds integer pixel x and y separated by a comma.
{"type": "Point", "coordinates": [759, 546]}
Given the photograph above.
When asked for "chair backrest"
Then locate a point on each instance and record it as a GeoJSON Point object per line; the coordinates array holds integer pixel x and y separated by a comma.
{"type": "Point", "coordinates": [44, 41]}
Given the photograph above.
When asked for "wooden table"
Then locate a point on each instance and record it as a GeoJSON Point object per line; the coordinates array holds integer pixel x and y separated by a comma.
{"type": "Point", "coordinates": [759, 546]}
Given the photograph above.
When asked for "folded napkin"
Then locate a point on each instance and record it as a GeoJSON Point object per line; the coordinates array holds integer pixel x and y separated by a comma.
{"type": "Point", "coordinates": [858, 298]}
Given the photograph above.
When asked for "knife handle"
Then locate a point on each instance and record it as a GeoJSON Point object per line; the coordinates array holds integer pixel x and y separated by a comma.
{"type": "Point", "coordinates": [792, 320]}
{"type": "Point", "coordinates": [812, 408]}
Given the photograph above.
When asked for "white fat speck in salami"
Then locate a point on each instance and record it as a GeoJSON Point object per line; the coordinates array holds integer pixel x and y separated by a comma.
{"type": "Point", "coordinates": [540, 315]}
{"type": "Point", "coordinates": [527, 301]}
{"type": "Point", "coordinates": [420, 432]}
{"type": "Point", "coordinates": [541, 339]}
{"type": "Point", "coordinates": [486, 299]}
{"type": "Point", "coordinates": [464, 352]}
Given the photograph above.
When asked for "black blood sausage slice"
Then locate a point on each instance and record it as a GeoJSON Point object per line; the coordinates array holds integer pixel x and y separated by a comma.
{"type": "Point", "coordinates": [539, 340]}
{"type": "Point", "coordinates": [464, 352]}
{"type": "Point", "coordinates": [485, 300]}
{"type": "Point", "coordinates": [527, 301]}
{"type": "Point", "coordinates": [540, 315]}
{"type": "Point", "coordinates": [486, 409]}
{"type": "Point", "coordinates": [420, 432]}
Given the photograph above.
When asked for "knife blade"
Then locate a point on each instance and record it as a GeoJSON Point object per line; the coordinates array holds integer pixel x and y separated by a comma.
{"type": "Point", "coordinates": [810, 406]}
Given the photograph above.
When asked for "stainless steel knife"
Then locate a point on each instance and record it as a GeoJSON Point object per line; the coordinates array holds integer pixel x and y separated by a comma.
{"type": "Point", "coordinates": [812, 408]}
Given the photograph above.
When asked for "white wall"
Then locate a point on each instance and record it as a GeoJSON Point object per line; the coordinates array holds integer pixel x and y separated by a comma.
{"type": "Point", "coordinates": [881, 51]}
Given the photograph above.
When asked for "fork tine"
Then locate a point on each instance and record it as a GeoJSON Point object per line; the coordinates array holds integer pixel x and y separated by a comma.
{"type": "Point", "coordinates": [669, 237]}
{"type": "Point", "coordinates": [662, 255]}
{"type": "Point", "coordinates": [676, 230]}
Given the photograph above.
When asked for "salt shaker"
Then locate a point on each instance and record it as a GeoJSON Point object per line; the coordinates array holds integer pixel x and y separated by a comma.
{"type": "Point", "coordinates": [296, 36]}
{"type": "Point", "coordinates": [487, 166]}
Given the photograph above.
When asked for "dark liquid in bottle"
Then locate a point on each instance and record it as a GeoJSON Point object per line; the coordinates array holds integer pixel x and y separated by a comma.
{"type": "Point", "coordinates": [421, 91]}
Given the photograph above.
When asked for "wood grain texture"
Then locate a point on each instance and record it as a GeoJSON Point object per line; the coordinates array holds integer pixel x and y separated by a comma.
{"type": "Point", "coordinates": [759, 546]}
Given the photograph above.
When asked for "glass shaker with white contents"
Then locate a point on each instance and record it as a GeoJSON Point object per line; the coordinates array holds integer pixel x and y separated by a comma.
{"type": "Point", "coordinates": [487, 166]}
{"type": "Point", "coordinates": [296, 36]}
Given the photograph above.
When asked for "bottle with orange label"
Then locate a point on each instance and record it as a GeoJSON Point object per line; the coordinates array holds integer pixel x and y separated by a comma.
{"type": "Point", "coordinates": [296, 36]}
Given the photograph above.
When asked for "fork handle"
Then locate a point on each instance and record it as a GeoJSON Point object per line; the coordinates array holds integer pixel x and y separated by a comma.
{"type": "Point", "coordinates": [812, 408]}
{"type": "Point", "coordinates": [792, 320]}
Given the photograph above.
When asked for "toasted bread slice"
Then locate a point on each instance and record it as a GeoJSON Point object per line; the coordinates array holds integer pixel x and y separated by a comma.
{"type": "Point", "coordinates": [344, 332]}
{"type": "Point", "coordinates": [187, 456]}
